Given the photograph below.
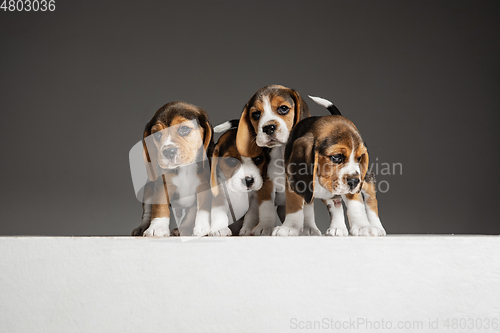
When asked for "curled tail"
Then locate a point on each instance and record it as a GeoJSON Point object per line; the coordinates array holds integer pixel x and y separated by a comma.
{"type": "Point", "coordinates": [226, 126]}
{"type": "Point", "coordinates": [327, 104]}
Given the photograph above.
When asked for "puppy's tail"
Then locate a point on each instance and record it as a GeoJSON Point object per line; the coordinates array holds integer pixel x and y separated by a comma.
{"type": "Point", "coordinates": [327, 104]}
{"type": "Point", "coordinates": [226, 126]}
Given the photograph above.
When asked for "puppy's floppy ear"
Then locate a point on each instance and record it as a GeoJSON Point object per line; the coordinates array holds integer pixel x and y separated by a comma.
{"type": "Point", "coordinates": [150, 153]}
{"type": "Point", "coordinates": [245, 137]}
{"type": "Point", "coordinates": [363, 165]}
{"type": "Point", "coordinates": [213, 173]}
{"type": "Point", "coordinates": [208, 136]}
{"type": "Point", "coordinates": [301, 108]}
{"type": "Point", "coordinates": [301, 167]}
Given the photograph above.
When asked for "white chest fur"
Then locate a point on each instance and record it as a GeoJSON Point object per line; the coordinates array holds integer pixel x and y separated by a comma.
{"type": "Point", "coordinates": [186, 182]}
{"type": "Point", "coordinates": [240, 202]}
{"type": "Point", "coordinates": [320, 192]}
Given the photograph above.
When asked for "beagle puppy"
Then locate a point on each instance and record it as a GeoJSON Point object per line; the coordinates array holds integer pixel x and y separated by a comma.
{"type": "Point", "coordinates": [326, 158]}
{"type": "Point", "coordinates": [235, 180]}
{"type": "Point", "coordinates": [177, 142]}
{"type": "Point", "coordinates": [266, 121]}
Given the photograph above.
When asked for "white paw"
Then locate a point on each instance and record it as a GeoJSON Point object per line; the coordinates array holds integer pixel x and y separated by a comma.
{"type": "Point", "coordinates": [337, 232]}
{"type": "Point", "coordinates": [201, 224]}
{"type": "Point", "coordinates": [365, 231]}
{"type": "Point", "coordinates": [309, 231]}
{"type": "Point", "coordinates": [262, 230]}
{"type": "Point", "coordinates": [245, 232]}
{"type": "Point", "coordinates": [200, 231]}
{"type": "Point", "coordinates": [159, 227]}
{"type": "Point", "coordinates": [220, 232]}
{"type": "Point", "coordinates": [286, 231]}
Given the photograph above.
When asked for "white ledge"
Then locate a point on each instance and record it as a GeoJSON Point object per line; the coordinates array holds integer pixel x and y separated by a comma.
{"type": "Point", "coordinates": [263, 284]}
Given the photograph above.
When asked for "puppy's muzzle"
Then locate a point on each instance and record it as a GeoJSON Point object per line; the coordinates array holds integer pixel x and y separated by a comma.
{"type": "Point", "coordinates": [269, 129]}
{"type": "Point", "coordinates": [353, 182]}
{"type": "Point", "coordinates": [170, 152]}
{"type": "Point", "coordinates": [248, 181]}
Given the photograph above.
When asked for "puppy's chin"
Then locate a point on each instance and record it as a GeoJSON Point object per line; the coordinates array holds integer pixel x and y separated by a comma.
{"type": "Point", "coordinates": [237, 188]}
{"type": "Point", "coordinates": [169, 165]}
{"type": "Point", "coordinates": [241, 188]}
{"type": "Point", "coordinates": [269, 142]}
{"type": "Point", "coordinates": [342, 188]}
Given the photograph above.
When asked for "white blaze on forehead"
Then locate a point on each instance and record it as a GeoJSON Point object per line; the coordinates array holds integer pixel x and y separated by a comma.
{"type": "Point", "coordinates": [246, 169]}
{"type": "Point", "coordinates": [249, 167]}
{"type": "Point", "coordinates": [352, 166]}
{"type": "Point", "coordinates": [165, 140]}
{"type": "Point", "coordinates": [267, 105]}
{"type": "Point", "coordinates": [168, 141]}
{"type": "Point", "coordinates": [267, 115]}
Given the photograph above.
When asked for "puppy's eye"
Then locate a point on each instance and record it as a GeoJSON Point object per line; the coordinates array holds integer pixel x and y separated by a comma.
{"type": "Point", "coordinates": [361, 157]}
{"type": "Point", "coordinates": [157, 136]}
{"type": "Point", "coordinates": [231, 161]}
{"type": "Point", "coordinates": [283, 109]}
{"type": "Point", "coordinates": [256, 115]}
{"type": "Point", "coordinates": [258, 160]}
{"type": "Point", "coordinates": [184, 130]}
{"type": "Point", "coordinates": [338, 158]}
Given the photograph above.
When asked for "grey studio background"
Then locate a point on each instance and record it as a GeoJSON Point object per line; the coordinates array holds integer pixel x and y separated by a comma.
{"type": "Point", "coordinates": [420, 79]}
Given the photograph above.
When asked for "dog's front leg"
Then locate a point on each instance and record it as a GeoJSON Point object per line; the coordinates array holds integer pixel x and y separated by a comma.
{"type": "Point", "coordinates": [219, 217]}
{"type": "Point", "coordinates": [185, 223]}
{"type": "Point", "coordinates": [160, 212]}
{"type": "Point", "coordinates": [251, 218]}
{"type": "Point", "coordinates": [146, 209]}
{"type": "Point", "coordinates": [294, 221]}
{"type": "Point", "coordinates": [267, 210]}
{"type": "Point", "coordinates": [337, 221]}
{"type": "Point", "coordinates": [371, 205]}
{"type": "Point", "coordinates": [310, 228]}
{"type": "Point", "coordinates": [204, 206]}
{"type": "Point", "coordinates": [358, 220]}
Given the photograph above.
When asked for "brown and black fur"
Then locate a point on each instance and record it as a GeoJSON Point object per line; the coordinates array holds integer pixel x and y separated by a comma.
{"type": "Point", "coordinates": [160, 187]}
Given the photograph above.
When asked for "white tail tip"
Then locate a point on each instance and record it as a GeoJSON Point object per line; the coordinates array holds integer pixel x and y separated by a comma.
{"type": "Point", "coordinates": [223, 127]}
{"type": "Point", "coordinates": [321, 101]}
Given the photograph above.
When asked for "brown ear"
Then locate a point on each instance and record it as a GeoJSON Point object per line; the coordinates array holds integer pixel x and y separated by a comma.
{"type": "Point", "coordinates": [213, 173]}
{"type": "Point", "coordinates": [150, 154]}
{"type": "Point", "coordinates": [208, 136]}
{"type": "Point", "coordinates": [245, 137]}
{"type": "Point", "coordinates": [301, 168]}
{"type": "Point", "coordinates": [363, 165]}
{"type": "Point", "coordinates": [301, 108]}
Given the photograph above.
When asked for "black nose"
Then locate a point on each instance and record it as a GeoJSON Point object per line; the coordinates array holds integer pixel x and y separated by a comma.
{"type": "Point", "coordinates": [248, 181]}
{"type": "Point", "coordinates": [269, 129]}
{"type": "Point", "coordinates": [353, 182]}
{"type": "Point", "coordinates": [170, 152]}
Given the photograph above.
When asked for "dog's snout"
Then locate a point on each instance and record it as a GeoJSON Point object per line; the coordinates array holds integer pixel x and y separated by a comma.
{"type": "Point", "coordinates": [352, 182]}
{"type": "Point", "coordinates": [170, 152]}
{"type": "Point", "coordinates": [269, 129]}
{"type": "Point", "coordinates": [248, 181]}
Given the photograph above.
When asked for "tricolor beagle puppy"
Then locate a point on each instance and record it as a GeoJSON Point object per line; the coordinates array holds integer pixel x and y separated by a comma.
{"type": "Point", "coordinates": [266, 121]}
{"type": "Point", "coordinates": [326, 158]}
{"type": "Point", "coordinates": [177, 142]}
{"type": "Point", "coordinates": [235, 181]}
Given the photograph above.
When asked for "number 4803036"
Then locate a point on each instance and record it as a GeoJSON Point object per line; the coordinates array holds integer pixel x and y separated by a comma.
{"type": "Point", "coordinates": [28, 5]}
